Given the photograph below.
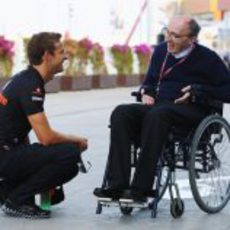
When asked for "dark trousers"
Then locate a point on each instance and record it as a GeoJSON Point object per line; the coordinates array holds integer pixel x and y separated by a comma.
{"type": "Point", "coordinates": [151, 126]}
{"type": "Point", "coordinates": [31, 169]}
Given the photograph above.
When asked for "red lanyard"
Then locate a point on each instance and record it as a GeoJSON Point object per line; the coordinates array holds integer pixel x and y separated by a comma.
{"type": "Point", "coordinates": [163, 72]}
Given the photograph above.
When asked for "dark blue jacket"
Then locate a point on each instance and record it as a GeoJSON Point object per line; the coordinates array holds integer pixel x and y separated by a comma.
{"type": "Point", "coordinates": [203, 69]}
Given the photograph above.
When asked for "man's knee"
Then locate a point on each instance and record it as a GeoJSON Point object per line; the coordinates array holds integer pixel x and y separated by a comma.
{"type": "Point", "coordinates": [73, 152]}
{"type": "Point", "coordinates": [73, 170]}
{"type": "Point", "coordinates": [121, 113]}
{"type": "Point", "coordinates": [69, 171]}
{"type": "Point", "coordinates": [118, 112]}
{"type": "Point", "coordinates": [69, 159]}
{"type": "Point", "coordinates": [69, 153]}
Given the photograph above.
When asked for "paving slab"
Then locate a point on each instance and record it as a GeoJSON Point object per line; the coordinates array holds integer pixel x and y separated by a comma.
{"type": "Point", "coordinates": [87, 113]}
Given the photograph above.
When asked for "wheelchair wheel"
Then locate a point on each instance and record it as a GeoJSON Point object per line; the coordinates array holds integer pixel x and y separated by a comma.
{"type": "Point", "coordinates": [209, 168]}
{"type": "Point", "coordinates": [126, 211]}
{"type": "Point", "coordinates": [177, 207]}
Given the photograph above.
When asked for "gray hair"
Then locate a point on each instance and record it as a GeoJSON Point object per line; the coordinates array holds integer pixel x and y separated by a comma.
{"type": "Point", "coordinates": [194, 28]}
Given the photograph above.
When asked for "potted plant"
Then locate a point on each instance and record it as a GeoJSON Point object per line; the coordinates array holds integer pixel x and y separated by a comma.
{"type": "Point", "coordinates": [6, 60]}
{"type": "Point", "coordinates": [143, 53]}
{"type": "Point", "coordinates": [123, 62]}
{"type": "Point", "coordinates": [84, 47]}
{"type": "Point", "coordinates": [70, 46]}
{"type": "Point", "coordinates": [100, 77]}
{"type": "Point", "coordinates": [75, 71]}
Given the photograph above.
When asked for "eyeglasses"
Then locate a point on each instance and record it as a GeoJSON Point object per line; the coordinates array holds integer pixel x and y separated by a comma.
{"type": "Point", "coordinates": [174, 35]}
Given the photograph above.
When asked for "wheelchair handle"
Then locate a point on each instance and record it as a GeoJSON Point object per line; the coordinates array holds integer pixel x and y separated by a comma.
{"type": "Point", "coordinates": [136, 94]}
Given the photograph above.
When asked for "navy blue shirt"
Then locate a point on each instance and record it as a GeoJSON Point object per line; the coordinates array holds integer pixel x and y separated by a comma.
{"type": "Point", "coordinates": [23, 95]}
{"type": "Point", "coordinates": [203, 68]}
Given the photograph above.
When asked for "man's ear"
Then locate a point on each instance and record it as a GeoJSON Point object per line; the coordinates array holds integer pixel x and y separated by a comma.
{"type": "Point", "coordinates": [194, 39]}
{"type": "Point", "coordinates": [46, 57]}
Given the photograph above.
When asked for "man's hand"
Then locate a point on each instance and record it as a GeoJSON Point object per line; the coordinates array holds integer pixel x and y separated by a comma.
{"type": "Point", "coordinates": [187, 93]}
{"type": "Point", "coordinates": [147, 100]}
{"type": "Point", "coordinates": [82, 143]}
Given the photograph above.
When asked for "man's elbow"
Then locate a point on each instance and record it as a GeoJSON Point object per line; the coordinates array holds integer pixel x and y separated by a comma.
{"type": "Point", "coordinates": [45, 141]}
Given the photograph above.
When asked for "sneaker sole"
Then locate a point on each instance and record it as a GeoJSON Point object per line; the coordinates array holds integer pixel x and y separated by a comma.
{"type": "Point", "coordinates": [13, 213]}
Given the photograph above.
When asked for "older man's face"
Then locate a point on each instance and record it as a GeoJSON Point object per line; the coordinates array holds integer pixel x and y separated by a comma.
{"type": "Point", "coordinates": [178, 35]}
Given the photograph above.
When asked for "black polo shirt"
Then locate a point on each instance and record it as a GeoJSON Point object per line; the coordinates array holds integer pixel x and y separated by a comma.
{"type": "Point", "coordinates": [23, 95]}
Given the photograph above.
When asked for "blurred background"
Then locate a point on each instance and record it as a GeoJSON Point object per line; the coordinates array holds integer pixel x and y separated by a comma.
{"type": "Point", "coordinates": [110, 22]}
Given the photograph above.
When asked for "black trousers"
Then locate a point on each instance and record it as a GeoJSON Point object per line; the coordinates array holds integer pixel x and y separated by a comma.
{"type": "Point", "coordinates": [32, 169]}
{"type": "Point", "coordinates": [150, 125]}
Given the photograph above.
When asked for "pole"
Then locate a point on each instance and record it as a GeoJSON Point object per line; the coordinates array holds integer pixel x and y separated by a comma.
{"type": "Point", "coordinates": [136, 22]}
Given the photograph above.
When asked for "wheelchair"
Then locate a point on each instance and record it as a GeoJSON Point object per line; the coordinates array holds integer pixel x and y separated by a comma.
{"type": "Point", "coordinates": [203, 152]}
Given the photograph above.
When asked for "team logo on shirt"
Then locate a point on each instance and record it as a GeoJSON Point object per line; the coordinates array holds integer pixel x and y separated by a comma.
{"type": "Point", "coordinates": [36, 98]}
{"type": "Point", "coordinates": [3, 100]}
{"type": "Point", "coordinates": [37, 91]}
{"type": "Point", "coordinates": [37, 95]}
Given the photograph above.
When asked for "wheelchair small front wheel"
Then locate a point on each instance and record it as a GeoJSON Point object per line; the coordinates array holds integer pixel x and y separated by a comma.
{"type": "Point", "coordinates": [126, 211]}
{"type": "Point", "coordinates": [177, 207]}
{"type": "Point", "coordinates": [209, 166]}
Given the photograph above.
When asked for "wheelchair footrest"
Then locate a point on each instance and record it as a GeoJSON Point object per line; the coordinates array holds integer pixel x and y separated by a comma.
{"type": "Point", "coordinates": [133, 204]}
{"type": "Point", "coordinates": [109, 202]}
{"type": "Point", "coordinates": [105, 199]}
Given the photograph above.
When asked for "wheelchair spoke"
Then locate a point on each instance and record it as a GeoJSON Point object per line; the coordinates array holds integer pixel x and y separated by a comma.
{"type": "Point", "coordinates": [209, 158]}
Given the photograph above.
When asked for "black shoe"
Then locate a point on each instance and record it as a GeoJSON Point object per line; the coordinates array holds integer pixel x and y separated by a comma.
{"type": "Point", "coordinates": [57, 196]}
{"type": "Point", "coordinates": [108, 193]}
{"type": "Point", "coordinates": [134, 196]}
{"type": "Point", "coordinates": [26, 211]}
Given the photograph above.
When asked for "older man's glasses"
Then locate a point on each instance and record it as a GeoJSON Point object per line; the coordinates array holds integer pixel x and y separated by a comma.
{"type": "Point", "coordinates": [175, 36]}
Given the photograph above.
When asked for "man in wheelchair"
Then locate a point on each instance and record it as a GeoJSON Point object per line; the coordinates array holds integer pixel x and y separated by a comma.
{"type": "Point", "coordinates": [182, 74]}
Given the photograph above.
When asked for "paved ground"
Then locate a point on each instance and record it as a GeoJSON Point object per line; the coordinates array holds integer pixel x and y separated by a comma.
{"type": "Point", "coordinates": [87, 113]}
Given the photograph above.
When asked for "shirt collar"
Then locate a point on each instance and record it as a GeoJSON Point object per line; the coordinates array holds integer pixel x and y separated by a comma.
{"type": "Point", "coordinates": [31, 68]}
{"type": "Point", "coordinates": [183, 53]}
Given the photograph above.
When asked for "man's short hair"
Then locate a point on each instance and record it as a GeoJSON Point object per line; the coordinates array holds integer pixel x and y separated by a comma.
{"type": "Point", "coordinates": [39, 44]}
{"type": "Point", "coordinates": [194, 28]}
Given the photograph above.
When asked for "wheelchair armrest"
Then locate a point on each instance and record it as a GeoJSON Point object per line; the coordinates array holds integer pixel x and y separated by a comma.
{"type": "Point", "coordinates": [136, 94]}
{"type": "Point", "coordinates": [198, 96]}
{"type": "Point", "coordinates": [148, 90]}
{"type": "Point", "coordinates": [216, 106]}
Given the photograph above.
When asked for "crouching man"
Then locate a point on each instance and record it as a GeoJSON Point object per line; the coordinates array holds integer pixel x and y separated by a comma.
{"type": "Point", "coordinates": [29, 169]}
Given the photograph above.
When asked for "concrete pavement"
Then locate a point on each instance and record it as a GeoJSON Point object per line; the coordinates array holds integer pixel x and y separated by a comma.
{"type": "Point", "coordinates": [87, 113]}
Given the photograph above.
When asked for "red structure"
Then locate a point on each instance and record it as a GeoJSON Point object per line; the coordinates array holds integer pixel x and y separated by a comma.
{"type": "Point", "coordinates": [136, 22]}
